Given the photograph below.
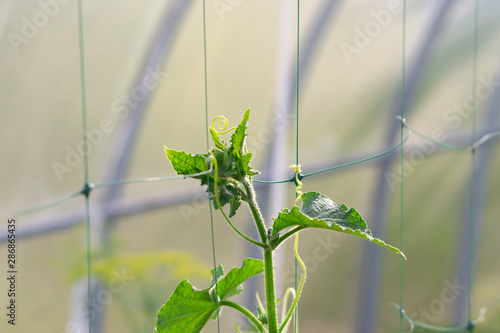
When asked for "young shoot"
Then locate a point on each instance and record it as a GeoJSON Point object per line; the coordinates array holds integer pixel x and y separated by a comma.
{"type": "Point", "coordinates": [230, 184]}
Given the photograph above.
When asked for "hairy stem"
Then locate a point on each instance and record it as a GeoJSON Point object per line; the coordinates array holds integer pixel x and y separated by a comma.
{"type": "Point", "coordinates": [272, 317]}
{"type": "Point", "coordinates": [288, 234]}
{"type": "Point", "coordinates": [216, 192]}
{"type": "Point", "coordinates": [245, 312]}
{"type": "Point", "coordinates": [254, 208]}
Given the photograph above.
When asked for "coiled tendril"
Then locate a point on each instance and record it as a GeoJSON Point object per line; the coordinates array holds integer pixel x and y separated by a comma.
{"type": "Point", "coordinates": [222, 124]}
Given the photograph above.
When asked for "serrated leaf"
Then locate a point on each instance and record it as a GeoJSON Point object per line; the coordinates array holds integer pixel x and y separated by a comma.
{"type": "Point", "coordinates": [245, 164]}
{"type": "Point", "coordinates": [319, 211]}
{"type": "Point", "coordinates": [185, 163]}
{"type": "Point", "coordinates": [216, 139]}
{"type": "Point", "coordinates": [224, 192]}
{"type": "Point", "coordinates": [234, 204]}
{"type": "Point", "coordinates": [229, 191]}
{"type": "Point", "coordinates": [321, 207]}
{"type": "Point", "coordinates": [216, 274]}
{"type": "Point", "coordinates": [186, 311]}
{"type": "Point", "coordinates": [189, 309]}
{"type": "Point", "coordinates": [230, 284]}
{"type": "Point", "coordinates": [238, 137]}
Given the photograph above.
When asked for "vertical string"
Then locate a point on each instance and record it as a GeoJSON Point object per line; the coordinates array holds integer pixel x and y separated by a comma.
{"type": "Point", "coordinates": [85, 191]}
{"type": "Point", "coordinates": [83, 93]}
{"type": "Point", "coordinates": [295, 317]}
{"type": "Point", "coordinates": [89, 261]}
{"type": "Point", "coordinates": [297, 85]}
{"type": "Point", "coordinates": [205, 73]}
{"type": "Point", "coordinates": [401, 199]}
{"type": "Point", "coordinates": [208, 147]}
{"type": "Point", "coordinates": [473, 167]}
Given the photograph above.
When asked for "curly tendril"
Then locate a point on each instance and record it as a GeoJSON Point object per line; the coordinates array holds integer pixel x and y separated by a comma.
{"type": "Point", "coordinates": [222, 124]}
{"type": "Point", "coordinates": [301, 285]}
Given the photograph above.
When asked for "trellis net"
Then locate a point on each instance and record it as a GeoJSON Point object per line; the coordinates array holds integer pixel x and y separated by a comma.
{"type": "Point", "coordinates": [390, 106]}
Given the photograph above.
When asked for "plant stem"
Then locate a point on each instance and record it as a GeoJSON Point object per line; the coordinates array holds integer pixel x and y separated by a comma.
{"type": "Point", "coordinates": [254, 208]}
{"type": "Point", "coordinates": [216, 191]}
{"type": "Point", "coordinates": [245, 312]}
{"type": "Point", "coordinates": [288, 234]}
{"type": "Point", "coordinates": [272, 317]}
{"type": "Point", "coordinates": [301, 285]}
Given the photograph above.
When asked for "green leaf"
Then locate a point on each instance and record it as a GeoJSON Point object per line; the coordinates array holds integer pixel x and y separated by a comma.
{"type": "Point", "coordinates": [234, 204]}
{"type": "Point", "coordinates": [216, 139]}
{"type": "Point", "coordinates": [225, 192]}
{"type": "Point", "coordinates": [238, 137]}
{"type": "Point", "coordinates": [187, 310]}
{"type": "Point", "coordinates": [319, 211]}
{"type": "Point", "coordinates": [216, 274]}
{"type": "Point", "coordinates": [230, 284]}
{"type": "Point", "coordinates": [185, 163]}
{"type": "Point", "coordinates": [233, 165]}
{"type": "Point", "coordinates": [321, 207]}
{"type": "Point", "coordinates": [245, 164]}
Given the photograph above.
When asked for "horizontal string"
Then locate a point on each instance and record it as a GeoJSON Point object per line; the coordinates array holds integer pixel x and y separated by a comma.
{"type": "Point", "coordinates": [334, 167]}
{"type": "Point", "coordinates": [485, 138]}
{"type": "Point", "coordinates": [413, 323]}
{"type": "Point", "coordinates": [47, 206]}
{"type": "Point", "coordinates": [358, 161]}
{"type": "Point", "coordinates": [151, 179]}
{"type": "Point", "coordinates": [107, 184]}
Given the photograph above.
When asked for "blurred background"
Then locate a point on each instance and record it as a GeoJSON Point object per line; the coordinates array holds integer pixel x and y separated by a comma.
{"type": "Point", "coordinates": [144, 67]}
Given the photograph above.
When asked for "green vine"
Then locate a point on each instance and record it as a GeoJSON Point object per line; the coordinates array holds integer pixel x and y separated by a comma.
{"type": "Point", "coordinates": [230, 183]}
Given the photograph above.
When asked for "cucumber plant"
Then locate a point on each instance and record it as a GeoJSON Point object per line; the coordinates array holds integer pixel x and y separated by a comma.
{"type": "Point", "coordinates": [229, 182]}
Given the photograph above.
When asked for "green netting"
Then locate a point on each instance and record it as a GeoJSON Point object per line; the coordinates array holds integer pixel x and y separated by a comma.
{"type": "Point", "coordinates": [470, 149]}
